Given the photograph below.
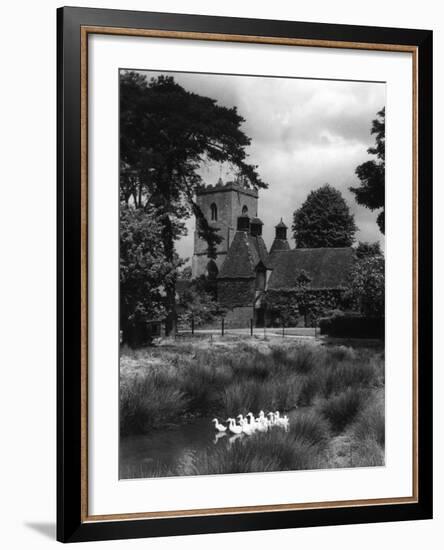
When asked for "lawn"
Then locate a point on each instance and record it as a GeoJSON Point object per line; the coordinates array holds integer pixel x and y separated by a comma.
{"type": "Point", "coordinates": [334, 395]}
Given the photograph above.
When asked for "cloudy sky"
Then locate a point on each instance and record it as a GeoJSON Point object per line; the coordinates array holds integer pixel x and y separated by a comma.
{"type": "Point", "coordinates": [304, 133]}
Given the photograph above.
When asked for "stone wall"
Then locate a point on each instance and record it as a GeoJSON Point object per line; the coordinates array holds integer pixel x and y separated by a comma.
{"type": "Point", "coordinates": [239, 317]}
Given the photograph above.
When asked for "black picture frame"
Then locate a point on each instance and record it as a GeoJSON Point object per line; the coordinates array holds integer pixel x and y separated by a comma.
{"type": "Point", "coordinates": [71, 523]}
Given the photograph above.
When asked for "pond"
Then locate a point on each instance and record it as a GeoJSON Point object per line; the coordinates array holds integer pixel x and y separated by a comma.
{"type": "Point", "coordinates": [157, 453]}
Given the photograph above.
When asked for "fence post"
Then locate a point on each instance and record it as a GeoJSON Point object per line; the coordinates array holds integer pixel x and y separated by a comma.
{"type": "Point", "coordinates": [283, 330]}
{"type": "Point", "coordinates": [192, 326]}
{"type": "Point", "coordinates": [251, 327]}
{"type": "Point", "coordinates": [223, 326]}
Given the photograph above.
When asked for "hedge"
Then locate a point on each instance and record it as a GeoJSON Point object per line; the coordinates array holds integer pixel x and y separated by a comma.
{"type": "Point", "coordinates": [353, 326]}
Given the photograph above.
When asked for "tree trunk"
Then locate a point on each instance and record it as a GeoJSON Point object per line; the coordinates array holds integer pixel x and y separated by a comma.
{"type": "Point", "coordinates": [170, 285]}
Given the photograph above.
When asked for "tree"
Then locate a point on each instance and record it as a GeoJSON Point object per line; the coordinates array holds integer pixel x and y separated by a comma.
{"type": "Point", "coordinates": [167, 133]}
{"type": "Point", "coordinates": [371, 192]}
{"type": "Point", "coordinates": [367, 285]}
{"type": "Point", "coordinates": [324, 220]}
{"type": "Point", "coordinates": [365, 249]}
{"type": "Point", "coordinates": [143, 271]}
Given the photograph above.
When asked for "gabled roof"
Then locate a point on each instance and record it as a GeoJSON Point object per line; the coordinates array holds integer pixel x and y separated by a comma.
{"type": "Point", "coordinates": [327, 267]}
{"type": "Point", "coordinates": [244, 255]}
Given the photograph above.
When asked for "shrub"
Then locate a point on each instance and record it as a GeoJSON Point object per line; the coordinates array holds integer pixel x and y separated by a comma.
{"type": "Point", "coordinates": [202, 384]}
{"type": "Point", "coordinates": [311, 427]}
{"type": "Point", "coordinates": [339, 377]}
{"type": "Point", "coordinates": [312, 386]}
{"type": "Point", "coordinates": [367, 453]}
{"type": "Point", "coordinates": [371, 424]}
{"type": "Point", "coordinates": [253, 395]}
{"type": "Point", "coordinates": [353, 326]}
{"type": "Point", "coordinates": [342, 409]}
{"type": "Point", "coordinates": [148, 403]}
{"type": "Point", "coordinates": [145, 470]}
{"type": "Point", "coordinates": [301, 360]}
{"type": "Point", "coordinates": [275, 450]}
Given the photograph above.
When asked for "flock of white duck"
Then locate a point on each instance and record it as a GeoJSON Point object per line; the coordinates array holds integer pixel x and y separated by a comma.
{"type": "Point", "coordinates": [250, 424]}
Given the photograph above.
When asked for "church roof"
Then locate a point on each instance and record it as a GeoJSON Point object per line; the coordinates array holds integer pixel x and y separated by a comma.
{"type": "Point", "coordinates": [327, 267]}
{"type": "Point", "coordinates": [244, 255]}
{"type": "Point", "coordinates": [278, 246]}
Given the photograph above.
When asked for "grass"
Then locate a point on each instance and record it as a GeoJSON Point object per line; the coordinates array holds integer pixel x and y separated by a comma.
{"type": "Point", "coordinates": [276, 450]}
{"type": "Point", "coordinates": [335, 387]}
{"type": "Point", "coordinates": [341, 410]}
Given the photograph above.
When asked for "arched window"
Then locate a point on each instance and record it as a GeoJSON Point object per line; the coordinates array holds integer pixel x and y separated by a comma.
{"type": "Point", "coordinates": [244, 210]}
{"type": "Point", "coordinates": [213, 208]}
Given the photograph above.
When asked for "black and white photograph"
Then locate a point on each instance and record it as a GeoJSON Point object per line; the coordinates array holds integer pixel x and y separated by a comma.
{"type": "Point", "coordinates": [251, 274]}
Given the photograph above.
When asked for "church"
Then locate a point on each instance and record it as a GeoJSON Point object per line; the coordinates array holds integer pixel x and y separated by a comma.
{"type": "Point", "coordinates": [245, 270]}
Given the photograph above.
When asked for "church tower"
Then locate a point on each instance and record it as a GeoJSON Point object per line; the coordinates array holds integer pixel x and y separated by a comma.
{"type": "Point", "coordinates": [222, 204]}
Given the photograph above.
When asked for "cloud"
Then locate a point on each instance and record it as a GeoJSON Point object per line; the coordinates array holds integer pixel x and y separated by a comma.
{"type": "Point", "coordinates": [304, 133]}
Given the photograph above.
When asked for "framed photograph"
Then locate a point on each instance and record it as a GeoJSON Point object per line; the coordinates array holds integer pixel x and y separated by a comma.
{"type": "Point", "coordinates": [244, 274]}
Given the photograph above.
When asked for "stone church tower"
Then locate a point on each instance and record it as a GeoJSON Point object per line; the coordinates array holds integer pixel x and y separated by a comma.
{"type": "Point", "coordinates": [222, 204]}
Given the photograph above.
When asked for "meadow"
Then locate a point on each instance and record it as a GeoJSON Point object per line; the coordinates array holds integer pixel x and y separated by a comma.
{"type": "Point", "coordinates": [333, 394]}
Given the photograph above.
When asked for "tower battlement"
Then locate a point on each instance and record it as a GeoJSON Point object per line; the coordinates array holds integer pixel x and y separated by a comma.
{"type": "Point", "coordinates": [220, 187]}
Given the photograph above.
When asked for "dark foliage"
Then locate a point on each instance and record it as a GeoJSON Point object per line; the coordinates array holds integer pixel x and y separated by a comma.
{"type": "Point", "coordinates": [371, 192]}
{"type": "Point", "coordinates": [324, 220]}
{"type": "Point", "coordinates": [166, 133]}
{"type": "Point", "coordinates": [353, 326]}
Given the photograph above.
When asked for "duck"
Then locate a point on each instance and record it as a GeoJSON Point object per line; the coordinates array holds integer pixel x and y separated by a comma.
{"type": "Point", "coordinates": [233, 427]}
{"type": "Point", "coordinates": [285, 422]}
{"type": "Point", "coordinates": [247, 429]}
{"type": "Point", "coordinates": [261, 424]}
{"type": "Point", "coordinates": [271, 419]}
{"type": "Point", "coordinates": [219, 427]}
{"type": "Point", "coordinates": [251, 421]}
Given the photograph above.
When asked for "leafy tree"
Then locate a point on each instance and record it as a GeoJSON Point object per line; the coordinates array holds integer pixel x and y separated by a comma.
{"type": "Point", "coordinates": [368, 249]}
{"type": "Point", "coordinates": [186, 273]}
{"type": "Point", "coordinates": [371, 192]}
{"type": "Point", "coordinates": [166, 135]}
{"type": "Point", "coordinates": [324, 220]}
{"type": "Point", "coordinates": [198, 302]}
{"type": "Point", "coordinates": [367, 285]}
{"type": "Point", "coordinates": [143, 271]}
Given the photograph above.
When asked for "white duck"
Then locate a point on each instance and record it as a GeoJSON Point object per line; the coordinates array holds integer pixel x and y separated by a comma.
{"type": "Point", "coordinates": [261, 424]}
{"type": "Point", "coordinates": [285, 422]}
{"type": "Point", "coordinates": [251, 421]}
{"type": "Point", "coordinates": [246, 427]}
{"type": "Point", "coordinates": [219, 427]}
{"type": "Point", "coordinates": [233, 427]}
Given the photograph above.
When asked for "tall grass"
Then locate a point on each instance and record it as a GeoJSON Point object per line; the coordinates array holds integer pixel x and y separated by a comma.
{"type": "Point", "coordinates": [276, 450]}
{"type": "Point", "coordinates": [341, 410]}
{"type": "Point", "coordinates": [181, 380]}
{"type": "Point", "coordinates": [149, 402]}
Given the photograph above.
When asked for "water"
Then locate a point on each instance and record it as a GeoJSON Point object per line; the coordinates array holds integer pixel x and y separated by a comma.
{"type": "Point", "coordinates": [161, 451]}
{"type": "Point", "coordinates": [164, 448]}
